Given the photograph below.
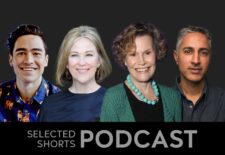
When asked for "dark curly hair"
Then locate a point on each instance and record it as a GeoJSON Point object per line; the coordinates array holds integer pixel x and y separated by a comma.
{"type": "Point", "coordinates": [21, 30]}
{"type": "Point", "coordinates": [124, 42]}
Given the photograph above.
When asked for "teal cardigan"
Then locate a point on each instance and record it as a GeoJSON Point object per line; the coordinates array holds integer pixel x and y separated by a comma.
{"type": "Point", "coordinates": [116, 107]}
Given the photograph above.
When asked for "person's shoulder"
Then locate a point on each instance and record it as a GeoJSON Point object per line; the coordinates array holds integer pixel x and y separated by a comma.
{"type": "Point", "coordinates": [116, 88]}
{"type": "Point", "coordinates": [56, 96]}
{"type": "Point", "coordinates": [167, 88]}
{"type": "Point", "coordinates": [115, 91]}
{"type": "Point", "coordinates": [52, 88]}
{"type": "Point", "coordinates": [216, 90]}
{"type": "Point", "coordinates": [168, 91]}
{"type": "Point", "coordinates": [101, 90]}
{"type": "Point", "coordinates": [7, 84]}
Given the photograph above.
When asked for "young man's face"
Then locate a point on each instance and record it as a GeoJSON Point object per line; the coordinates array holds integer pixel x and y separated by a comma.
{"type": "Point", "coordinates": [29, 58]}
{"type": "Point", "coordinates": [193, 57]}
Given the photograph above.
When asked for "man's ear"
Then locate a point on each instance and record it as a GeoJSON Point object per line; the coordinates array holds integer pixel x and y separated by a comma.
{"type": "Point", "coordinates": [46, 60]}
{"type": "Point", "coordinates": [175, 56]}
{"type": "Point", "coordinates": [10, 60]}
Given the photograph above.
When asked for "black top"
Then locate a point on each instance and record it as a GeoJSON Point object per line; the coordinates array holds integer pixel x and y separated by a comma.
{"type": "Point", "coordinates": [210, 107]}
{"type": "Point", "coordinates": [144, 112]}
{"type": "Point", "coordinates": [69, 107]}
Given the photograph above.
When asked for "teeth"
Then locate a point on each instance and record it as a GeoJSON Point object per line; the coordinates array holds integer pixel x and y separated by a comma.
{"type": "Point", "coordinates": [82, 70]}
{"type": "Point", "coordinates": [28, 68]}
{"type": "Point", "coordinates": [142, 69]}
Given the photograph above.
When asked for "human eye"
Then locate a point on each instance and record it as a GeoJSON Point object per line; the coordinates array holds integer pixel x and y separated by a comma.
{"type": "Point", "coordinates": [36, 53]}
{"type": "Point", "coordinates": [132, 54]}
{"type": "Point", "coordinates": [89, 54]}
{"type": "Point", "coordinates": [204, 52]}
{"type": "Point", "coordinates": [73, 54]}
{"type": "Point", "coordinates": [187, 50]}
{"type": "Point", "coordinates": [148, 52]}
{"type": "Point", "coordinates": [20, 53]}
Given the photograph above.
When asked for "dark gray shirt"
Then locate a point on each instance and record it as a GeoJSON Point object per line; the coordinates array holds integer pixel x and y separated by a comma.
{"type": "Point", "coordinates": [210, 107]}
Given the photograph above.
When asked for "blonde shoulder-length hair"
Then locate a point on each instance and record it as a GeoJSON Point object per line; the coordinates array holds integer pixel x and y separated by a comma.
{"type": "Point", "coordinates": [62, 73]}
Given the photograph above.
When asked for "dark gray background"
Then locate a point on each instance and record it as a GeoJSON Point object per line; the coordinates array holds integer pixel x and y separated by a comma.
{"type": "Point", "coordinates": [56, 18]}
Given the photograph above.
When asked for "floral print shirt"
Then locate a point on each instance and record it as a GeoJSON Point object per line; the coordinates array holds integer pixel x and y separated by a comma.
{"type": "Point", "coordinates": [14, 109]}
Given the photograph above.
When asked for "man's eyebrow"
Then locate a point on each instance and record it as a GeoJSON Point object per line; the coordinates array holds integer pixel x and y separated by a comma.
{"type": "Point", "coordinates": [36, 49]}
{"type": "Point", "coordinates": [20, 49]}
{"type": "Point", "coordinates": [188, 47]}
{"type": "Point", "coordinates": [24, 49]}
{"type": "Point", "coordinates": [202, 49]}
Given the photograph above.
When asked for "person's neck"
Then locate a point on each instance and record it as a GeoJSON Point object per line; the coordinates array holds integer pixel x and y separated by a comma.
{"type": "Point", "coordinates": [192, 90]}
{"type": "Point", "coordinates": [28, 89]}
{"type": "Point", "coordinates": [84, 88]}
{"type": "Point", "coordinates": [145, 88]}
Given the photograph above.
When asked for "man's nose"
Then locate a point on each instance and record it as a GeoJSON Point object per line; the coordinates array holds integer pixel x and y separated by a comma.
{"type": "Point", "coordinates": [196, 58]}
{"type": "Point", "coordinates": [29, 58]}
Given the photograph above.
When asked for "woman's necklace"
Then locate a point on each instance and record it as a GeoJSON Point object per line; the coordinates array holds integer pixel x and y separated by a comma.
{"type": "Point", "coordinates": [140, 95]}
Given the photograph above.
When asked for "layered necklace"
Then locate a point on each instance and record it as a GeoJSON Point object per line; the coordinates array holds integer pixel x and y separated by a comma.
{"type": "Point", "coordinates": [140, 95]}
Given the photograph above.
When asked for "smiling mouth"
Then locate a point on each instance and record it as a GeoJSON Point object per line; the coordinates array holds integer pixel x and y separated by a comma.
{"type": "Point", "coordinates": [142, 69]}
{"type": "Point", "coordinates": [82, 70]}
{"type": "Point", "coordinates": [28, 68]}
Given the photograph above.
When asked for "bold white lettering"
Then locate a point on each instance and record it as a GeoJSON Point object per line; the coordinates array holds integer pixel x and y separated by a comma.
{"type": "Point", "coordinates": [129, 139]}
{"type": "Point", "coordinates": [98, 137]}
{"type": "Point", "coordinates": [159, 140]}
{"type": "Point", "coordinates": [190, 137]}
{"type": "Point", "coordinates": [83, 139]}
{"type": "Point", "coordinates": [179, 140]}
{"type": "Point", "coordinates": [136, 141]}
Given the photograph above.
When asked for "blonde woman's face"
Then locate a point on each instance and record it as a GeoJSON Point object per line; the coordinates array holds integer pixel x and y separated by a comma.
{"type": "Point", "coordinates": [83, 61]}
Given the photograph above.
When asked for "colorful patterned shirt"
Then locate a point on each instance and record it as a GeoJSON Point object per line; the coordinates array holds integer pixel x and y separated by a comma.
{"type": "Point", "coordinates": [14, 109]}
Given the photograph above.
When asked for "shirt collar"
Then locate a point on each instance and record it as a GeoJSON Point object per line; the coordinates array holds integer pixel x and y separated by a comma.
{"type": "Point", "coordinates": [39, 96]}
{"type": "Point", "coordinates": [42, 91]}
{"type": "Point", "coordinates": [177, 86]}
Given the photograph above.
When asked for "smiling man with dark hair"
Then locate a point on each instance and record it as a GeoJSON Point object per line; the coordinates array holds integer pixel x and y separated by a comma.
{"type": "Point", "coordinates": [22, 97]}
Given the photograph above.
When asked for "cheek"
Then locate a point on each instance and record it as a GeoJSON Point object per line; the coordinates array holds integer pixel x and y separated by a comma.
{"type": "Point", "coordinates": [93, 61]}
{"type": "Point", "coordinates": [41, 62]}
{"type": "Point", "coordinates": [152, 61]}
{"type": "Point", "coordinates": [16, 62]}
{"type": "Point", "coordinates": [182, 60]}
{"type": "Point", "coordinates": [206, 63]}
{"type": "Point", "coordinates": [129, 62]}
{"type": "Point", "coordinates": [72, 61]}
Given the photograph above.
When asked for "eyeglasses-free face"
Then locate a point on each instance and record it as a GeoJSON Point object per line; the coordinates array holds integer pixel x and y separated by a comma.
{"type": "Point", "coordinates": [29, 59]}
{"type": "Point", "coordinates": [193, 56]}
{"type": "Point", "coordinates": [83, 61]}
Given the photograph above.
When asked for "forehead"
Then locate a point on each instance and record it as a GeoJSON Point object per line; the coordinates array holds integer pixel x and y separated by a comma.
{"type": "Point", "coordinates": [33, 41]}
{"type": "Point", "coordinates": [194, 39]}
{"type": "Point", "coordinates": [83, 44]}
{"type": "Point", "coordinates": [143, 38]}
{"type": "Point", "coordinates": [143, 42]}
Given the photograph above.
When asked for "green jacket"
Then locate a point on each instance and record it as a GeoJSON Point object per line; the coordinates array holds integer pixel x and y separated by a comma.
{"type": "Point", "coordinates": [116, 107]}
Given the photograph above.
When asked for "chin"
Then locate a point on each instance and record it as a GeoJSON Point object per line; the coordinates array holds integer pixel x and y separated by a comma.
{"type": "Point", "coordinates": [29, 80]}
{"type": "Point", "coordinates": [83, 81]}
{"type": "Point", "coordinates": [195, 79]}
{"type": "Point", "coordinates": [143, 79]}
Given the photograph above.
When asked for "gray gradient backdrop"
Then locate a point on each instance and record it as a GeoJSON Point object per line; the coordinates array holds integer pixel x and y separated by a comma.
{"type": "Point", "coordinates": [56, 18]}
